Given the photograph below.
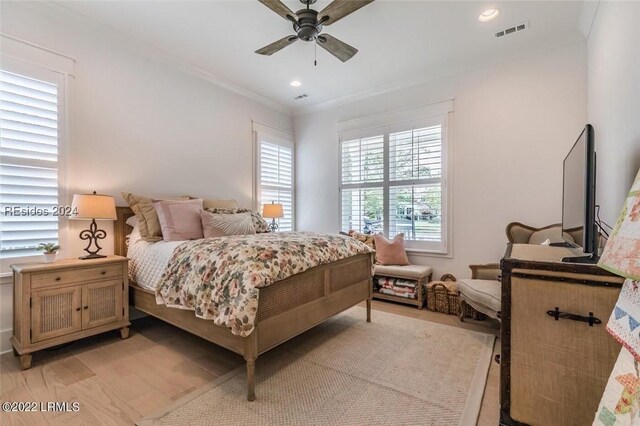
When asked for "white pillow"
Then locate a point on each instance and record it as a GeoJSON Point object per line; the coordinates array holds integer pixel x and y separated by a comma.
{"type": "Point", "coordinates": [220, 225]}
{"type": "Point", "coordinates": [132, 221]}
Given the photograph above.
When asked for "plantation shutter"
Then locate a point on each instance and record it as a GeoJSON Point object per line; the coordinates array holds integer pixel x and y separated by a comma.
{"type": "Point", "coordinates": [362, 177]}
{"type": "Point", "coordinates": [276, 179]}
{"type": "Point", "coordinates": [393, 176]}
{"type": "Point", "coordinates": [28, 163]}
{"type": "Point", "coordinates": [415, 183]}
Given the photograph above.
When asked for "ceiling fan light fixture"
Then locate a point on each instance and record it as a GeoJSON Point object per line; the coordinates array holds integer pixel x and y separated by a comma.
{"type": "Point", "coordinates": [308, 25]}
{"type": "Point", "coordinates": [295, 83]}
{"type": "Point", "coordinates": [488, 15]}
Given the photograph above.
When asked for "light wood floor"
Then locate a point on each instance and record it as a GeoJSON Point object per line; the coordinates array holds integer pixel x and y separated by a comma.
{"type": "Point", "coordinates": [119, 381]}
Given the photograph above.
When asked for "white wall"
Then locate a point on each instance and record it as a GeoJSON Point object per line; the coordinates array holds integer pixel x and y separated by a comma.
{"type": "Point", "coordinates": [139, 125]}
{"type": "Point", "coordinates": [614, 101]}
{"type": "Point", "coordinates": [513, 124]}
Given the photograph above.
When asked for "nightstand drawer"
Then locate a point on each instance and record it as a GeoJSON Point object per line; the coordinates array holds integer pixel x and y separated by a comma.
{"type": "Point", "coordinates": [47, 279]}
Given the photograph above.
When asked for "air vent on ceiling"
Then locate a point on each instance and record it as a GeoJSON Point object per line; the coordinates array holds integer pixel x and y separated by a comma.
{"type": "Point", "coordinates": [304, 95]}
{"type": "Point", "coordinates": [512, 30]}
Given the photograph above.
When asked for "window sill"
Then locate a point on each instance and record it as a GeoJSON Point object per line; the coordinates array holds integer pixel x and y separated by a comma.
{"type": "Point", "coordinates": [428, 253]}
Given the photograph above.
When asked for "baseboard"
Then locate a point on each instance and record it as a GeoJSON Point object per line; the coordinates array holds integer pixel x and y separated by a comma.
{"type": "Point", "coordinates": [5, 341]}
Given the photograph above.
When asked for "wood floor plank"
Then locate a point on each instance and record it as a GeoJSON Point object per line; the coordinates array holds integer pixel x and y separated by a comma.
{"type": "Point", "coordinates": [20, 394]}
{"type": "Point", "coordinates": [149, 403]}
{"type": "Point", "coordinates": [70, 370]}
{"type": "Point", "coordinates": [10, 377]}
{"type": "Point", "coordinates": [107, 406]}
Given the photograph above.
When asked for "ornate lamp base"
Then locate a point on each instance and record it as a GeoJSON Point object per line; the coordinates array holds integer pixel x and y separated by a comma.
{"type": "Point", "coordinates": [273, 225]}
{"type": "Point", "coordinates": [92, 256]}
{"type": "Point", "coordinates": [93, 234]}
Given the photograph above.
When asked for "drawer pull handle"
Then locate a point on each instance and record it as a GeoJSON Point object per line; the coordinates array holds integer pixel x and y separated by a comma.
{"type": "Point", "coordinates": [557, 314]}
{"type": "Point", "coordinates": [57, 278]}
{"type": "Point", "coordinates": [77, 309]}
{"type": "Point", "coordinates": [86, 307]}
{"type": "Point", "coordinates": [103, 272]}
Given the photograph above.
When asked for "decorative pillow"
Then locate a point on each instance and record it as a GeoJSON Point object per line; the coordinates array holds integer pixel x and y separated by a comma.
{"type": "Point", "coordinates": [390, 252]}
{"type": "Point", "coordinates": [368, 239]}
{"type": "Point", "coordinates": [132, 221]}
{"type": "Point", "coordinates": [219, 225]}
{"type": "Point", "coordinates": [179, 220]}
{"type": "Point", "coordinates": [261, 226]}
{"type": "Point", "coordinates": [212, 203]}
{"type": "Point", "coordinates": [148, 222]}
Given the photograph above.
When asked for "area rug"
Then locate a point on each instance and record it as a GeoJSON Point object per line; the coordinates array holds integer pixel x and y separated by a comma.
{"type": "Point", "coordinates": [392, 371]}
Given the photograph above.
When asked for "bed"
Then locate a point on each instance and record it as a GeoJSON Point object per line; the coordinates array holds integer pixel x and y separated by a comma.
{"type": "Point", "coordinates": [286, 308]}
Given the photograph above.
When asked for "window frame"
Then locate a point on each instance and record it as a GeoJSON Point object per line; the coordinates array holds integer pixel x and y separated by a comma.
{"type": "Point", "coordinates": [444, 247]}
{"type": "Point", "coordinates": [282, 139]}
{"type": "Point", "coordinates": [48, 75]}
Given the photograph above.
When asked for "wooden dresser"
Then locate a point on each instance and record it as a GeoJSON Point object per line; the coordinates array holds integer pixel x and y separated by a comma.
{"type": "Point", "coordinates": [556, 355]}
{"type": "Point", "coordinates": [59, 302]}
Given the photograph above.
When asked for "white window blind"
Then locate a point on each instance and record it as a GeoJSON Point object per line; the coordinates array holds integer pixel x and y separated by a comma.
{"type": "Point", "coordinates": [275, 164]}
{"type": "Point", "coordinates": [394, 183]}
{"type": "Point", "coordinates": [363, 160]}
{"type": "Point", "coordinates": [415, 193]}
{"type": "Point", "coordinates": [29, 114]}
{"type": "Point", "coordinates": [362, 170]}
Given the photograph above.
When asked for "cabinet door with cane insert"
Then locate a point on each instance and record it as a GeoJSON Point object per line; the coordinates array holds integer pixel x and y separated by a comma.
{"type": "Point", "coordinates": [101, 303]}
{"type": "Point", "coordinates": [55, 313]}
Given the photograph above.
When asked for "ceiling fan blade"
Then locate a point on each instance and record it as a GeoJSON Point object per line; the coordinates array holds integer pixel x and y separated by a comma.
{"type": "Point", "coordinates": [272, 48]}
{"type": "Point", "coordinates": [280, 8]}
{"type": "Point", "coordinates": [337, 48]}
{"type": "Point", "coordinates": [338, 9]}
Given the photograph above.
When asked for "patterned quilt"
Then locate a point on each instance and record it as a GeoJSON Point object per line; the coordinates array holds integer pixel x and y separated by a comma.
{"type": "Point", "coordinates": [219, 278]}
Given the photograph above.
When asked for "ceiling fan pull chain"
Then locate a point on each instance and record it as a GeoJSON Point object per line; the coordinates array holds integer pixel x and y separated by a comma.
{"type": "Point", "coordinates": [315, 55]}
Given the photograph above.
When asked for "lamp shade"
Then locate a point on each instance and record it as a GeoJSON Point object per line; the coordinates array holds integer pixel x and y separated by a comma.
{"type": "Point", "coordinates": [622, 253]}
{"type": "Point", "coordinates": [272, 211]}
{"type": "Point", "coordinates": [93, 206]}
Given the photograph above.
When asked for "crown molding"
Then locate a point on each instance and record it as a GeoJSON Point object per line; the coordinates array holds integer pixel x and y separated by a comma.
{"type": "Point", "coordinates": [416, 80]}
{"type": "Point", "coordinates": [419, 79]}
{"type": "Point", "coordinates": [151, 52]}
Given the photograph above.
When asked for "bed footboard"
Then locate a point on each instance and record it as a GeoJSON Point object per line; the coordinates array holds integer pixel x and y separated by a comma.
{"type": "Point", "coordinates": [287, 308]}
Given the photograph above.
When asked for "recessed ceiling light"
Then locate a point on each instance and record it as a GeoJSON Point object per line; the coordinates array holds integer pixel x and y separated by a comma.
{"type": "Point", "coordinates": [488, 15]}
{"type": "Point", "coordinates": [295, 83]}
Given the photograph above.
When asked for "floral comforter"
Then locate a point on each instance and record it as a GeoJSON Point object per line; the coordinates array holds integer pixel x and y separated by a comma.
{"type": "Point", "coordinates": [219, 278]}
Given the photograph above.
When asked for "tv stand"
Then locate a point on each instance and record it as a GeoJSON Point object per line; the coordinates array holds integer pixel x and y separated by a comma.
{"type": "Point", "coordinates": [549, 331]}
{"type": "Point", "coordinates": [590, 259]}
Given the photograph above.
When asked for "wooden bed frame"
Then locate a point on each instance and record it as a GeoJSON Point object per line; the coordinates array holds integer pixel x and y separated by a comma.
{"type": "Point", "coordinates": [287, 308]}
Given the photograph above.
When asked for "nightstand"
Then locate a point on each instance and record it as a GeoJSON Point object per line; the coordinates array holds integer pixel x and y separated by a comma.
{"type": "Point", "coordinates": [56, 303]}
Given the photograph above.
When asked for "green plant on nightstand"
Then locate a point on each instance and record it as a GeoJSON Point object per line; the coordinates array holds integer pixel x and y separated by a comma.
{"type": "Point", "coordinates": [50, 251]}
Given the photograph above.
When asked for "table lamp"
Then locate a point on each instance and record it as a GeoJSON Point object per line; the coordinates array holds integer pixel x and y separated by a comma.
{"type": "Point", "coordinates": [94, 207]}
{"type": "Point", "coordinates": [621, 256]}
{"type": "Point", "coordinates": [272, 211]}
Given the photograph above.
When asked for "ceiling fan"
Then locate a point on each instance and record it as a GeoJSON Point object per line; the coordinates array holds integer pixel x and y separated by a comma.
{"type": "Point", "coordinates": [308, 24]}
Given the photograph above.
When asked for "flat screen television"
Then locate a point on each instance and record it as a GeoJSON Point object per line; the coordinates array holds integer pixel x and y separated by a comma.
{"type": "Point", "coordinates": [579, 228]}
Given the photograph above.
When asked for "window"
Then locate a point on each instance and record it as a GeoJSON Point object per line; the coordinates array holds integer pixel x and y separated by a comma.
{"type": "Point", "coordinates": [30, 111]}
{"type": "Point", "coordinates": [393, 180]}
{"type": "Point", "coordinates": [275, 177]}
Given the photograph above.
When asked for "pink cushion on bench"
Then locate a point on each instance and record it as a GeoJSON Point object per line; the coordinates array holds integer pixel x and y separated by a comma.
{"type": "Point", "coordinates": [390, 252]}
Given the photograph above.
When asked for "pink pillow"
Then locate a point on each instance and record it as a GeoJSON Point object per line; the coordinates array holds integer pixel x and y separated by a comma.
{"type": "Point", "coordinates": [391, 252]}
{"type": "Point", "coordinates": [179, 220]}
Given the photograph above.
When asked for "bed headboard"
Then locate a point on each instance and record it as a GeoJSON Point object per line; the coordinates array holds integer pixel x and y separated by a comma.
{"type": "Point", "coordinates": [121, 230]}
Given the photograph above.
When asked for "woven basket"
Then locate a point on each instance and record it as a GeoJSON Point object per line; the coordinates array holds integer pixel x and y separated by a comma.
{"type": "Point", "coordinates": [442, 296]}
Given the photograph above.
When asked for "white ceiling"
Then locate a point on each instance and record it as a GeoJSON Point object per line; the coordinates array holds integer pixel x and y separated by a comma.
{"type": "Point", "coordinates": [399, 42]}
